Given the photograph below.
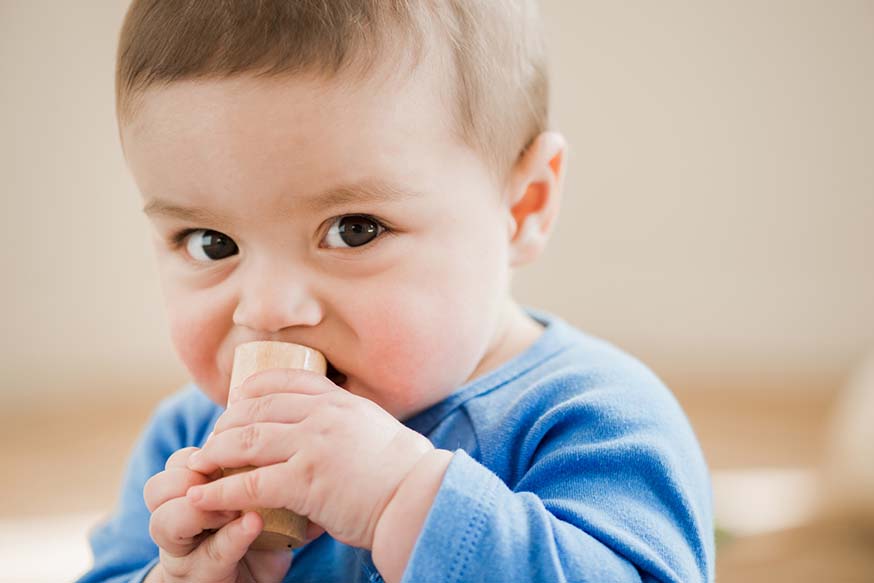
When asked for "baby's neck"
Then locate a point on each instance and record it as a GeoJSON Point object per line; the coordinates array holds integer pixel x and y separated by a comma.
{"type": "Point", "coordinates": [515, 333]}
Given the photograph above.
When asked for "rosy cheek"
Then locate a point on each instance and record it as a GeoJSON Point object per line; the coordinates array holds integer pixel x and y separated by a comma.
{"type": "Point", "coordinates": [409, 355]}
{"type": "Point", "coordinates": [196, 342]}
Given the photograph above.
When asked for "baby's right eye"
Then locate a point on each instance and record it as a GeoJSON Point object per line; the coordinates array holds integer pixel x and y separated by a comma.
{"type": "Point", "coordinates": [206, 246]}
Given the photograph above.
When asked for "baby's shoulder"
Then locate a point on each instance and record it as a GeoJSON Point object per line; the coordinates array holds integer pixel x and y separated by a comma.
{"type": "Point", "coordinates": [569, 364]}
{"type": "Point", "coordinates": [584, 386]}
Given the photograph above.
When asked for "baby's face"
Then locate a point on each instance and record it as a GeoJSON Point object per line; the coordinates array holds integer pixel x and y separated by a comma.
{"type": "Point", "coordinates": [347, 218]}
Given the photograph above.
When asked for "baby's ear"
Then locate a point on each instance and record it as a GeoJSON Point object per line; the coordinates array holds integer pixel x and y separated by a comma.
{"type": "Point", "coordinates": [533, 195]}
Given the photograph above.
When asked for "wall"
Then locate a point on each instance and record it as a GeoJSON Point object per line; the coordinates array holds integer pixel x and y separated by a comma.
{"type": "Point", "coordinates": [717, 219]}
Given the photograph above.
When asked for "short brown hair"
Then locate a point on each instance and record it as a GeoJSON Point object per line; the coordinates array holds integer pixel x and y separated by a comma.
{"type": "Point", "coordinates": [499, 60]}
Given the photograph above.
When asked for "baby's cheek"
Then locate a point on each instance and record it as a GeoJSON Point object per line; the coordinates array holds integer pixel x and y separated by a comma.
{"type": "Point", "coordinates": [196, 344]}
{"type": "Point", "coordinates": [413, 358]}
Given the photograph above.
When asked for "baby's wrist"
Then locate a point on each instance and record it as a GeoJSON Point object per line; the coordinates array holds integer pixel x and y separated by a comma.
{"type": "Point", "coordinates": [402, 519]}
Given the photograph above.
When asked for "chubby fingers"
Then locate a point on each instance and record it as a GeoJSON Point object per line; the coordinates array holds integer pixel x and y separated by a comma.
{"type": "Point", "coordinates": [265, 487]}
{"type": "Point", "coordinates": [282, 380]}
{"type": "Point", "coordinates": [176, 525]}
{"type": "Point", "coordinates": [218, 553]}
{"type": "Point", "coordinates": [178, 458]}
{"type": "Point", "coordinates": [277, 407]}
{"type": "Point", "coordinates": [258, 444]}
{"type": "Point", "coordinates": [174, 481]}
{"type": "Point", "coordinates": [223, 550]}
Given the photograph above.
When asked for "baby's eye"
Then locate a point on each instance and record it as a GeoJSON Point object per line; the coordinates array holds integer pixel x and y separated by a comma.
{"type": "Point", "coordinates": [352, 231]}
{"type": "Point", "coordinates": [206, 246]}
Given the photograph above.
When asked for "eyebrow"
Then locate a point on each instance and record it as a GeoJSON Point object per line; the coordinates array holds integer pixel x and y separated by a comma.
{"type": "Point", "coordinates": [366, 191]}
{"type": "Point", "coordinates": [157, 207]}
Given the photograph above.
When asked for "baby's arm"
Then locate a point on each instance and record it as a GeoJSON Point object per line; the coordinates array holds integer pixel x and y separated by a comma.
{"type": "Point", "coordinates": [403, 517]}
{"type": "Point", "coordinates": [601, 500]}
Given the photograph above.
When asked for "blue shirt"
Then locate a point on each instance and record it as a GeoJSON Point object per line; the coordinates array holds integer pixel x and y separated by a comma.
{"type": "Point", "coordinates": [572, 462]}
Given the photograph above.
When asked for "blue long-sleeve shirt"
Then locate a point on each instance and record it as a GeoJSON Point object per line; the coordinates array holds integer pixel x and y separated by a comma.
{"type": "Point", "coordinates": [572, 462]}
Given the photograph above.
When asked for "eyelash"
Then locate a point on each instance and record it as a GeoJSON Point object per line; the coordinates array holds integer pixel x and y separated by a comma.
{"type": "Point", "coordinates": [178, 239]}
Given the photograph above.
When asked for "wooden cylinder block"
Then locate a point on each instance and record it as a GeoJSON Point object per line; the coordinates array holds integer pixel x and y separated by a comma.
{"type": "Point", "coordinates": [283, 529]}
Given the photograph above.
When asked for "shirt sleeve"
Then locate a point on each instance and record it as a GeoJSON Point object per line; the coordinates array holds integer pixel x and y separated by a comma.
{"type": "Point", "coordinates": [122, 549]}
{"type": "Point", "coordinates": [621, 509]}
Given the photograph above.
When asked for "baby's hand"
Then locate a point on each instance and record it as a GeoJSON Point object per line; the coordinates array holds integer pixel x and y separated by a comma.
{"type": "Point", "coordinates": [319, 451]}
{"type": "Point", "coordinates": [204, 545]}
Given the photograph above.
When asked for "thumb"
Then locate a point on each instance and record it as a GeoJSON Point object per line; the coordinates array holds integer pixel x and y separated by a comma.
{"type": "Point", "coordinates": [218, 557]}
{"type": "Point", "coordinates": [227, 551]}
{"type": "Point", "coordinates": [267, 566]}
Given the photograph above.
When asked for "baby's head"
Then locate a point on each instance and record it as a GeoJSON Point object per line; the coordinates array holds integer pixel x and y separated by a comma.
{"type": "Point", "coordinates": [355, 176]}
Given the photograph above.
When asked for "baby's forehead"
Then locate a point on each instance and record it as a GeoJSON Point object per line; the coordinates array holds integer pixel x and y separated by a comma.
{"type": "Point", "coordinates": [298, 134]}
{"type": "Point", "coordinates": [483, 63]}
{"type": "Point", "coordinates": [422, 83]}
{"type": "Point", "coordinates": [413, 109]}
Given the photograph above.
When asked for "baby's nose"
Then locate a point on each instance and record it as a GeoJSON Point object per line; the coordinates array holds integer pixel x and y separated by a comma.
{"type": "Point", "coordinates": [270, 303]}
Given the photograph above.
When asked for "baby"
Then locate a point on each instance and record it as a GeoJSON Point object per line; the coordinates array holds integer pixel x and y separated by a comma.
{"type": "Point", "coordinates": [361, 177]}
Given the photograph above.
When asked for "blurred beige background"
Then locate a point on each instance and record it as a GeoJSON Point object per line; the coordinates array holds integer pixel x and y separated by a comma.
{"type": "Point", "coordinates": [717, 219]}
{"type": "Point", "coordinates": [718, 223]}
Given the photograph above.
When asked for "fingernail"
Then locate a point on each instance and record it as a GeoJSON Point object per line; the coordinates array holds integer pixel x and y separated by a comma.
{"type": "Point", "coordinates": [194, 458]}
{"type": "Point", "coordinates": [194, 493]}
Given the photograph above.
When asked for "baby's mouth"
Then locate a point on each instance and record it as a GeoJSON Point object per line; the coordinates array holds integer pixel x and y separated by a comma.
{"type": "Point", "coordinates": [335, 376]}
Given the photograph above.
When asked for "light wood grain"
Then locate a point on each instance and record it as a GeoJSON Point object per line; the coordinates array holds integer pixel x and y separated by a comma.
{"type": "Point", "coordinates": [283, 529]}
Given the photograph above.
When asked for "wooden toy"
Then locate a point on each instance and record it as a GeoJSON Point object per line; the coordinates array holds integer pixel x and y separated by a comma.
{"type": "Point", "coordinates": [283, 529]}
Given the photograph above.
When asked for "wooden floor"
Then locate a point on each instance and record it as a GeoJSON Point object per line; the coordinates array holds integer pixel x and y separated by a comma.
{"type": "Point", "coordinates": [70, 461]}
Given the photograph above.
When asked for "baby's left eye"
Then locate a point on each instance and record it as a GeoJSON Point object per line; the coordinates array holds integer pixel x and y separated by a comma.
{"type": "Point", "coordinates": [352, 231]}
